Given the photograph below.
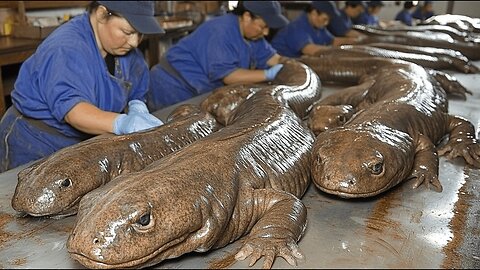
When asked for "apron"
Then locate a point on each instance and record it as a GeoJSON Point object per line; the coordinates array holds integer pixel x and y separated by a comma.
{"type": "Point", "coordinates": [25, 139]}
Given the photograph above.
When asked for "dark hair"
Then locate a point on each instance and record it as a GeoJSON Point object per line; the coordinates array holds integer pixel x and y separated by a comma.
{"type": "Point", "coordinates": [353, 5]}
{"type": "Point", "coordinates": [240, 9]}
{"type": "Point", "coordinates": [408, 4]}
{"type": "Point", "coordinates": [92, 6]}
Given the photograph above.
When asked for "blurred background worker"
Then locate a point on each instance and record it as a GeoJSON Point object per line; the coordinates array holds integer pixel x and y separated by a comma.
{"type": "Point", "coordinates": [78, 83]}
{"type": "Point", "coordinates": [405, 15]}
{"type": "Point", "coordinates": [370, 15]}
{"type": "Point", "coordinates": [228, 49]}
{"type": "Point", "coordinates": [307, 34]}
{"type": "Point", "coordinates": [424, 11]}
{"type": "Point", "coordinates": [341, 26]}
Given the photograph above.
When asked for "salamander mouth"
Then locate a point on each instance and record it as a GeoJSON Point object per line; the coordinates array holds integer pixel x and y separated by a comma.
{"type": "Point", "coordinates": [69, 210]}
{"type": "Point", "coordinates": [150, 259]}
{"type": "Point", "coordinates": [92, 263]}
{"type": "Point", "coordinates": [350, 195]}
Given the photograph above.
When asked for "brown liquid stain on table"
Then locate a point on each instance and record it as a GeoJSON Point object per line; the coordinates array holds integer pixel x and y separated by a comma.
{"type": "Point", "coordinates": [453, 258]}
{"type": "Point", "coordinates": [378, 221]}
{"type": "Point", "coordinates": [4, 235]}
{"type": "Point", "coordinates": [19, 261]}
{"type": "Point", "coordinates": [28, 232]}
{"type": "Point", "coordinates": [382, 229]}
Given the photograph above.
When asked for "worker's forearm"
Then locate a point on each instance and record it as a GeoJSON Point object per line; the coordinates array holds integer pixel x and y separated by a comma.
{"type": "Point", "coordinates": [90, 119]}
{"type": "Point", "coordinates": [354, 34]}
{"type": "Point", "coordinates": [338, 41]}
{"type": "Point", "coordinates": [245, 76]}
{"type": "Point", "coordinates": [313, 49]}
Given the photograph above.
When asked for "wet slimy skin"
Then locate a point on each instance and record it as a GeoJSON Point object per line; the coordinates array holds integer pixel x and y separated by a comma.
{"type": "Point", "coordinates": [54, 185]}
{"type": "Point", "coordinates": [401, 117]}
{"type": "Point", "coordinates": [417, 56]}
{"type": "Point", "coordinates": [244, 180]}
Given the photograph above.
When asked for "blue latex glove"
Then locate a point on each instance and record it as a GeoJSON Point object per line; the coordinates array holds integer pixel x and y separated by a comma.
{"type": "Point", "coordinates": [271, 73]}
{"type": "Point", "coordinates": [137, 106]}
{"type": "Point", "coordinates": [134, 121]}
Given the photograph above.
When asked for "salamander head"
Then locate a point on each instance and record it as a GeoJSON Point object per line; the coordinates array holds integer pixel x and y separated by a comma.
{"type": "Point", "coordinates": [121, 227]}
{"type": "Point", "coordinates": [325, 117]}
{"type": "Point", "coordinates": [54, 185]}
{"type": "Point", "coordinates": [361, 161]}
{"type": "Point", "coordinates": [183, 111]}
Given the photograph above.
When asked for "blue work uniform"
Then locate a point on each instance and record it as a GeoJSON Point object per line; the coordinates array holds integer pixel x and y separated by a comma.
{"type": "Point", "coordinates": [198, 62]}
{"type": "Point", "coordinates": [418, 14]}
{"type": "Point", "coordinates": [291, 39]}
{"type": "Point", "coordinates": [340, 24]}
{"type": "Point", "coordinates": [404, 16]}
{"type": "Point", "coordinates": [365, 18]}
{"type": "Point", "coordinates": [67, 68]}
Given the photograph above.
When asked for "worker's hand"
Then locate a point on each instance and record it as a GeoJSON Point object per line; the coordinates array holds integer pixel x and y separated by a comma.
{"type": "Point", "coordinates": [271, 73]}
{"type": "Point", "coordinates": [134, 121]}
{"type": "Point", "coordinates": [137, 106]}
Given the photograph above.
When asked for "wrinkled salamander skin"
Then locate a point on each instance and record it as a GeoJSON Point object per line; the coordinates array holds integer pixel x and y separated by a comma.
{"type": "Point", "coordinates": [223, 101]}
{"type": "Point", "coordinates": [456, 58]}
{"type": "Point", "coordinates": [438, 40]}
{"type": "Point", "coordinates": [243, 180]}
{"type": "Point", "coordinates": [429, 61]}
{"type": "Point", "coordinates": [401, 115]}
{"type": "Point", "coordinates": [54, 185]}
{"type": "Point", "coordinates": [445, 32]}
{"type": "Point", "coordinates": [460, 22]}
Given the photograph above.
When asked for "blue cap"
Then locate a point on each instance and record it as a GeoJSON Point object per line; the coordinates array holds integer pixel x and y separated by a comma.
{"type": "Point", "coordinates": [140, 14]}
{"type": "Point", "coordinates": [356, 3]}
{"type": "Point", "coordinates": [328, 7]}
{"type": "Point", "coordinates": [269, 11]}
{"type": "Point", "coordinates": [375, 3]}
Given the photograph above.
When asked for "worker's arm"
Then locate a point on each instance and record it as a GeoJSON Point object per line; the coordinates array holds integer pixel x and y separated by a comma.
{"type": "Point", "coordinates": [312, 49]}
{"type": "Point", "coordinates": [90, 119]}
{"type": "Point", "coordinates": [338, 41]}
{"type": "Point", "coordinates": [354, 34]}
{"type": "Point", "coordinates": [242, 75]}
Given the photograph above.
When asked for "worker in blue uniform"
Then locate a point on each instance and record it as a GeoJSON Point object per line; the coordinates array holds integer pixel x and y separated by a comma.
{"type": "Point", "coordinates": [86, 78]}
{"type": "Point", "coordinates": [370, 15]}
{"type": "Point", "coordinates": [341, 26]}
{"type": "Point", "coordinates": [424, 11]}
{"type": "Point", "coordinates": [307, 34]}
{"type": "Point", "coordinates": [225, 50]}
{"type": "Point", "coordinates": [405, 15]}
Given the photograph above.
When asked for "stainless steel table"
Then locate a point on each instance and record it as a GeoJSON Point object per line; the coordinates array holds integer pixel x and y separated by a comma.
{"type": "Point", "coordinates": [402, 228]}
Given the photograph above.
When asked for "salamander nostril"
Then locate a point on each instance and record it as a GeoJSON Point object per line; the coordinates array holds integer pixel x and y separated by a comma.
{"type": "Point", "coordinates": [351, 182]}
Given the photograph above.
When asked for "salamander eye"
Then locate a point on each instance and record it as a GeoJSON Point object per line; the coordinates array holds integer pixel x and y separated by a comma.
{"type": "Point", "coordinates": [377, 168]}
{"type": "Point", "coordinates": [342, 119]}
{"type": "Point", "coordinates": [144, 223]}
{"type": "Point", "coordinates": [144, 220]}
{"type": "Point", "coordinates": [66, 183]}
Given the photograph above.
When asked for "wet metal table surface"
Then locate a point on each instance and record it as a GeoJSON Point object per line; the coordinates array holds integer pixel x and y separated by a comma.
{"type": "Point", "coordinates": [402, 228]}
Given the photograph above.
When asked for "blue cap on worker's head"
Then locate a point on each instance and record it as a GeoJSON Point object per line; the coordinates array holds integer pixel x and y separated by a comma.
{"type": "Point", "coordinates": [375, 3]}
{"type": "Point", "coordinates": [356, 3]}
{"type": "Point", "coordinates": [327, 7]}
{"type": "Point", "coordinates": [269, 11]}
{"type": "Point", "coordinates": [140, 14]}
